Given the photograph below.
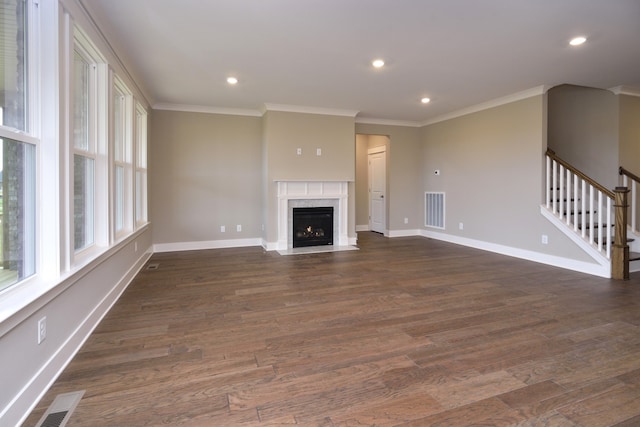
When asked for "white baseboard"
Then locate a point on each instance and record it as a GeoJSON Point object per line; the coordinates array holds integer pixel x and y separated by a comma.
{"type": "Point", "coordinates": [403, 233]}
{"type": "Point", "coordinates": [569, 264]}
{"type": "Point", "coordinates": [364, 227]}
{"type": "Point", "coordinates": [207, 244]}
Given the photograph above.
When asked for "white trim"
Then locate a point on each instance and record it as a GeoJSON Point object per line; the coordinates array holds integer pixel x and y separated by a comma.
{"type": "Point", "coordinates": [566, 263]}
{"type": "Point", "coordinates": [387, 122]}
{"type": "Point", "coordinates": [207, 110]}
{"type": "Point", "coordinates": [309, 110]}
{"type": "Point", "coordinates": [364, 227]}
{"type": "Point", "coordinates": [538, 90]}
{"type": "Point", "coordinates": [206, 244]}
{"type": "Point", "coordinates": [625, 90]}
{"type": "Point", "coordinates": [312, 190]}
{"type": "Point", "coordinates": [17, 135]}
{"type": "Point", "coordinates": [403, 233]}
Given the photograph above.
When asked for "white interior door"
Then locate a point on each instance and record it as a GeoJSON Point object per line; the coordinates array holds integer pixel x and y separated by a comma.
{"type": "Point", "coordinates": [377, 189]}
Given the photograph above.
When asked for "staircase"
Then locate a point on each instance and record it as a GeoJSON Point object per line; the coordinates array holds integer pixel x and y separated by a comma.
{"type": "Point", "coordinates": [594, 217]}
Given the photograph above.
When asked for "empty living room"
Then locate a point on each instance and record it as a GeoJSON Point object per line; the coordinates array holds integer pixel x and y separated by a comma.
{"type": "Point", "coordinates": [319, 213]}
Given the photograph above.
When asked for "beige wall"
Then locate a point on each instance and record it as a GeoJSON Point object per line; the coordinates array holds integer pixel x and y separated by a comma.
{"type": "Point", "coordinates": [583, 130]}
{"type": "Point", "coordinates": [209, 170]}
{"type": "Point", "coordinates": [404, 171]}
{"type": "Point", "coordinates": [205, 171]}
{"type": "Point", "coordinates": [285, 132]}
{"type": "Point", "coordinates": [491, 171]}
{"type": "Point", "coordinates": [629, 131]}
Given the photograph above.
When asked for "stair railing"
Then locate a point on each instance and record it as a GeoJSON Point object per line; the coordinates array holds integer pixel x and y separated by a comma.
{"type": "Point", "coordinates": [631, 181]}
{"type": "Point", "coordinates": [581, 202]}
{"type": "Point", "coordinates": [589, 208]}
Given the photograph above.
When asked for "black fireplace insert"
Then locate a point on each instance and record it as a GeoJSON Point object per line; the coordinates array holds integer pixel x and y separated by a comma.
{"type": "Point", "coordinates": [312, 226]}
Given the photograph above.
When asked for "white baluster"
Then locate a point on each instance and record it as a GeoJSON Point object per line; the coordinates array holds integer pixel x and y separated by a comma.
{"type": "Point", "coordinates": [548, 180]}
{"type": "Point", "coordinates": [633, 205]}
{"type": "Point", "coordinates": [609, 228]}
{"type": "Point", "coordinates": [561, 191]}
{"type": "Point", "coordinates": [584, 208]}
{"type": "Point", "coordinates": [591, 211]}
{"type": "Point", "coordinates": [600, 225]}
{"type": "Point", "coordinates": [555, 187]}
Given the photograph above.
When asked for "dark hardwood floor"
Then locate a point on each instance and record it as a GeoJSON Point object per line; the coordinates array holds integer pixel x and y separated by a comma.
{"type": "Point", "coordinates": [404, 332]}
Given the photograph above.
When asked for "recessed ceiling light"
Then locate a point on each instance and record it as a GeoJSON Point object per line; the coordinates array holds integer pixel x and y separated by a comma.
{"type": "Point", "coordinates": [425, 100]}
{"type": "Point", "coordinates": [577, 41]}
{"type": "Point", "coordinates": [378, 63]}
{"type": "Point", "coordinates": [232, 80]}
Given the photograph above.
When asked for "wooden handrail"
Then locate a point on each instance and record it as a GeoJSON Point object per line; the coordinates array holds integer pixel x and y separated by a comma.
{"type": "Point", "coordinates": [607, 192]}
{"type": "Point", "coordinates": [623, 171]}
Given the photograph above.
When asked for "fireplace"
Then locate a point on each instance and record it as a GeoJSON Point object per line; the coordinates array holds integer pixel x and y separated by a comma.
{"type": "Point", "coordinates": [312, 194]}
{"type": "Point", "coordinates": [312, 226]}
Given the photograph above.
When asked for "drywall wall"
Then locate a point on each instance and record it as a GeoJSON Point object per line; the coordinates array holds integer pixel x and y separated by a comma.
{"type": "Point", "coordinates": [583, 130]}
{"type": "Point", "coordinates": [629, 132]}
{"type": "Point", "coordinates": [491, 170]}
{"type": "Point", "coordinates": [205, 172]}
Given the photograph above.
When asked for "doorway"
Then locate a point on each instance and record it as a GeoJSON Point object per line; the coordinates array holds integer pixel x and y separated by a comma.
{"type": "Point", "coordinates": [377, 179]}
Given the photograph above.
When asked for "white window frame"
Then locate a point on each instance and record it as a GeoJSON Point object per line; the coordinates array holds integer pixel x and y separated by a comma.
{"type": "Point", "coordinates": [97, 150]}
{"type": "Point", "coordinates": [30, 135]}
{"type": "Point", "coordinates": [141, 174]}
{"type": "Point", "coordinates": [122, 203]}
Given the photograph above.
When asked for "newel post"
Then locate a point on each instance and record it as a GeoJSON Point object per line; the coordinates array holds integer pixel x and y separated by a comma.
{"type": "Point", "coordinates": [620, 250]}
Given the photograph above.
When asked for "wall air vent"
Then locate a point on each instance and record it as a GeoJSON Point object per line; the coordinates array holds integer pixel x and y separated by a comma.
{"type": "Point", "coordinates": [434, 209]}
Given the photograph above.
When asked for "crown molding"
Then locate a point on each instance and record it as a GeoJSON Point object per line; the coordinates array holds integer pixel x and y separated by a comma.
{"type": "Point", "coordinates": [207, 110]}
{"type": "Point", "coordinates": [518, 96]}
{"type": "Point", "coordinates": [308, 110]}
{"type": "Point", "coordinates": [625, 90]}
{"type": "Point", "coordinates": [387, 122]}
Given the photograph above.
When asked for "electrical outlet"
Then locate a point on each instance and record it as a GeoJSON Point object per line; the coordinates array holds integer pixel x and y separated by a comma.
{"type": "Point", "coordinates": [545, 239]}
{"type": "Point", "coordinates": [42, 329]}
{"type": "Point", "coordinates": [299, 151]}
{"type": "Point", "coordinates": [238, 228]}
{"type": "Point", "coordinates": [461, 226]}
{"type": "Point", "coordinates": [406, 220]}
{"type": "Point", "coordinates": [222, 229]}
{"type": "Point", "coordinates": [318, 151]}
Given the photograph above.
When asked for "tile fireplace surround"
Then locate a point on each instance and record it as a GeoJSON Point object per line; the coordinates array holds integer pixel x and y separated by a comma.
{"type": "Point", "coordinates": [297, 194]}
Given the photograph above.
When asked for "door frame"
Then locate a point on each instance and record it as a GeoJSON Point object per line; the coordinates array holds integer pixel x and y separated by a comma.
{"type": "Point", "coordinates": [370, 152]}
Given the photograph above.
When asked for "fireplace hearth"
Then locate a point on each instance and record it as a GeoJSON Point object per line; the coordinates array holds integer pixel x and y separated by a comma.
{"type": "Point", "coordinates": [312, 226]}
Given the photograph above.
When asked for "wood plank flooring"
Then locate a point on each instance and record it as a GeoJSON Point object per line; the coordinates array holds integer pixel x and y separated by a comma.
{"type": "Point", "coordinates": [404, 332]}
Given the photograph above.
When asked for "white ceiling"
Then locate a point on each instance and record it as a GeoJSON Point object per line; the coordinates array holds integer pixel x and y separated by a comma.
{"type": "Point", "coordinates": [318, 53]}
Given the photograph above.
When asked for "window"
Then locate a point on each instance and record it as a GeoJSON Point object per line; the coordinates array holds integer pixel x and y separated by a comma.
{"type": "Point", "coordinates": [123, 165]}
{"type": "Point", "coordinates": [17, 149]}
{"type": "Point", "coordinates": [83, 151]}
{"type": "Point", "coordinates": [141, 165]}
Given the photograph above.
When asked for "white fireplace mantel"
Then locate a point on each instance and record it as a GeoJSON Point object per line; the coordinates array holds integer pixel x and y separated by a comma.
{"type": "Point", "coordinates": [312, 194]}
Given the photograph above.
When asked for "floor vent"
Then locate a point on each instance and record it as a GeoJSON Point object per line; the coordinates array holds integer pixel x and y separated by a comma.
{"type": "Point", "coordinates": [154, 266]}
{"type": "Point", "coordinates": [434, 209]}
{"type": "Point", "coordinates": [60, 409]}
